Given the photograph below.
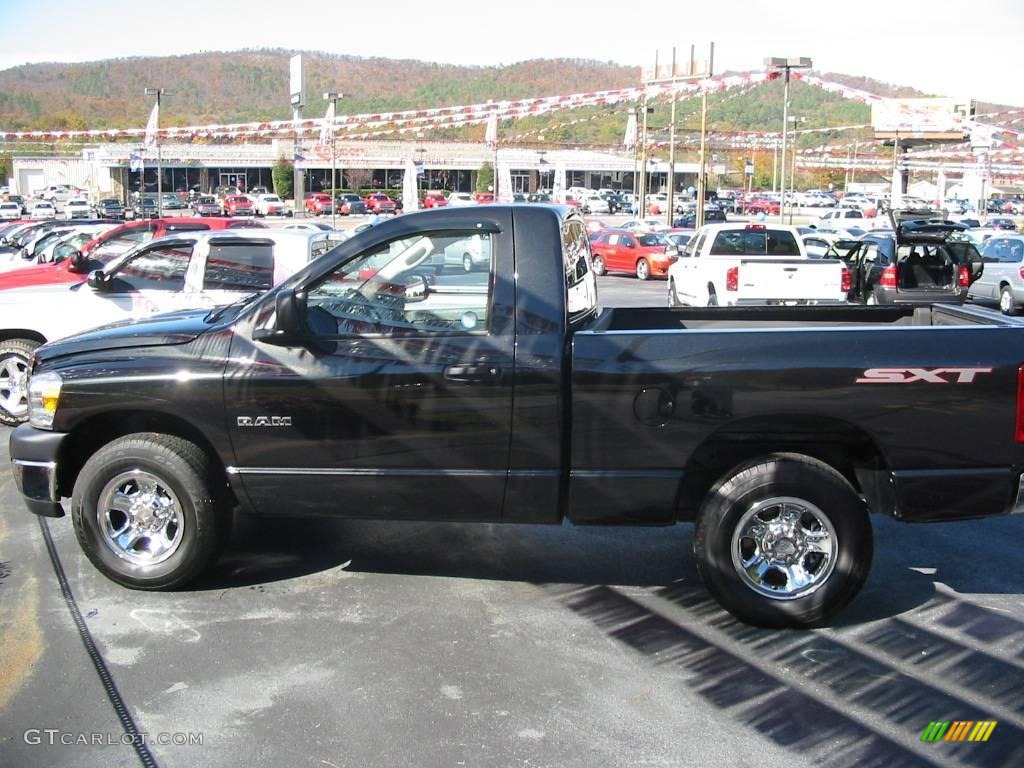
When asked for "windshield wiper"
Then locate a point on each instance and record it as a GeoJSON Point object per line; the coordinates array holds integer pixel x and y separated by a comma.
{"type": "Point", "coordinates": [217, 312]}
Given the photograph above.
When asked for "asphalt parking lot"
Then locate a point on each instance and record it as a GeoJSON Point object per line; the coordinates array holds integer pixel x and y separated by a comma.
{"type": "Point", "coordinates": [343, 643]}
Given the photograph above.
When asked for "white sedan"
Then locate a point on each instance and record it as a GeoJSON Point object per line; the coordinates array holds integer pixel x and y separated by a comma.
{"type": "Point", "coordinates": [43, 210]}
{"type": "Point", "coordinates": [77, 209]}
{"type": "Point", "coordinates": [457, 199]}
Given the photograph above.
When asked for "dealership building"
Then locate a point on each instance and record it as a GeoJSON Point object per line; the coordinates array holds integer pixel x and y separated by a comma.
{"type": "Point", "coordinates": [118, 170]}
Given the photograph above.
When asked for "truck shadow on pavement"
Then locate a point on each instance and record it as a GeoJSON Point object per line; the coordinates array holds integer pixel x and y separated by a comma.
{"type": "Point", "coordinates": [910, 649]}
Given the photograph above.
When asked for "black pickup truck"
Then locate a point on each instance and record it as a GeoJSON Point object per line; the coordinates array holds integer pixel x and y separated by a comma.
{"type": "Point", "coordinates": [387, 380]}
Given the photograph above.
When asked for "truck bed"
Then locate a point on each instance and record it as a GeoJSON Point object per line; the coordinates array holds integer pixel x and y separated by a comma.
{"type": "Point", "coordinates": [897, 391]}
{"type": "Point", "coordinates": [694, 318]}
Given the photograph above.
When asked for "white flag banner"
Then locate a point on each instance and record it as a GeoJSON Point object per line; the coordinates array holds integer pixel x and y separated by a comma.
{"type": "Point", "coordinates": [491, 136]}
{"type": "Point", "coordinates": [151, 126]}
{"type": "Point", "coordinates": [896, 191]}
{"type": "Point", "coordinates": [328, 126]}
{"type": "Point", "coordinates": [558, 185]}
{"type": "Point", "coordinates": [410, 191]}
{"type": "Point", "coordinates": [629, 140]}
{"type": "Point", "coordinates": [504, 184]}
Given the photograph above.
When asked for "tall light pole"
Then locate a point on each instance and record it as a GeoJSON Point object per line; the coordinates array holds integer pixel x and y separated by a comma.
{"type": "Point", "coordinates": [785, 65]}
{"type": "Point", "coordinates": [158, 92]}
{"type": "Point", "coordinates": [333, 97]}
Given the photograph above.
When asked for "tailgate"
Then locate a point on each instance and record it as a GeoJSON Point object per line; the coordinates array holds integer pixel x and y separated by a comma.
{"type": "Point", "coordinates": [790, 280]}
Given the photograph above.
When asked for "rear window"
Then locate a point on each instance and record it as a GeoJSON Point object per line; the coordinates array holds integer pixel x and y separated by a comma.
{"type": "Point", "coordinates": [240, 267]}
{"type": "Point", "coordinates": [650, 239]}
{"type": "Point", "coordinates": [755, 242]}
{"type": "Point", "coordinates": [580, 282]}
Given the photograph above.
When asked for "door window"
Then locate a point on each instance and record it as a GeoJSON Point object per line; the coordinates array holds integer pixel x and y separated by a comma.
{"type": "Point", "coordinates": [160, 268]}
{"type": "Point", "coordinates": [122, 243]}
{"type": "Point", "coordinates": [247, 266]}
{"type": "Point", "coordinates": [426, 283]}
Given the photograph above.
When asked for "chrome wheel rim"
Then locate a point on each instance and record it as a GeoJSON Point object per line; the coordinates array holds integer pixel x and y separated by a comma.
{"type": "Point", "coordinates": [14, 385]}
{"type": "Point", "coordinates": [599, 265]}
{"type": "Point", "coordinates": [140, 518]}
{"type": "Point", "coordinates": [784, 548]}
{"type": "Point", "coordinates": [1005, 301]}
{"type": "Point", "coordinates": [642, 270]}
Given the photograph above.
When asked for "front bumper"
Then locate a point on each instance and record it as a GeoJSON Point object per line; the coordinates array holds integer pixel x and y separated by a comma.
{"type": "Point", "coordinates": [34, 455]}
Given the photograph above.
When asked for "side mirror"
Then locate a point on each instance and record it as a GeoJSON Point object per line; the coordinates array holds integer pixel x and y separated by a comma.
{"type": "Point", "coordinates": [288, 313]}
{"type": "Point", "coordinates": [78, 262]}
{"type": "Point", "coordinates": [417, 288]}
{"type": "Point", "coordinates": [98, 280]}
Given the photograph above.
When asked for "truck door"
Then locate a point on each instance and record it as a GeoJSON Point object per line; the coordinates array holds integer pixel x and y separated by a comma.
{"type": "Point", "coordinates": [398, 401]}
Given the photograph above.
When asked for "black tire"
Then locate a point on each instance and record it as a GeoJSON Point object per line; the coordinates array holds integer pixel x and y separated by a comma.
{"type": "Point", "coordinates": [599, 267]}
{"type": "Point", "coordinates": [673, 300]}
{"type": "Point", "coordinates": [15, 355]}
{"type": "Point", "coordinates": [827, 510]}
{"type": "Point", "coordinates": [467, 263]}
{"type": "Point", "coordinates": [712, 298]}
{"type": "Point", "coordinates": [1007, 303]}
{"type": "Point", "coordinates": [169, 468]}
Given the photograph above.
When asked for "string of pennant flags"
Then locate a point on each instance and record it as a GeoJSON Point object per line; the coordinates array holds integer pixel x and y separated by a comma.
{"type": "Point", "coordinates": [416, 121]}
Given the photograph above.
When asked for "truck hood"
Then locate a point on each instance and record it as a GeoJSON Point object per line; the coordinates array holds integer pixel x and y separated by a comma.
{"type": "Point", "coordinates": [160, 330]}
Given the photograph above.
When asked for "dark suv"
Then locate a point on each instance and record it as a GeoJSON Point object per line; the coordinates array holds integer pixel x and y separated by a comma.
{"type": "Point", "coordinates": [688, 218]}
{"type": "Point", "coordinates": [921, 261]}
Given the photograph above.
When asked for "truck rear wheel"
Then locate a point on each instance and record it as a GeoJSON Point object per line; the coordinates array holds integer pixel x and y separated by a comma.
{"type": "Point", "coordinates": [15, 355]}
{"type": "Point", "coordinates": [783, 541]}
{"type": "Point", "coordinates": [148, 513]}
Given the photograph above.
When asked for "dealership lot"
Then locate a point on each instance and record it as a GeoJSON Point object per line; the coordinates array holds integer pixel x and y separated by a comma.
{"type": "Point", "coordinates": [343, 643]}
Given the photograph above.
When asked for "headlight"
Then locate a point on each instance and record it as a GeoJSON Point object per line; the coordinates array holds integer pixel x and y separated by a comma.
{"type": "Point", "coordinates": [43, 397]}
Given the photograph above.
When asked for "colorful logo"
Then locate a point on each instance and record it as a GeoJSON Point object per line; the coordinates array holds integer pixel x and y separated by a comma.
{"type": "Point", "coordinates": [959, 730]}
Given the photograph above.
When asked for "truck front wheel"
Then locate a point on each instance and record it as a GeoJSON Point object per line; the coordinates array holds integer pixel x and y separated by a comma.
{"type": "Point", "coordinates": [148, 512]}
{"type": "Point", "coordinates": [783, 541]}
{"type": "Point", "coordinates": [15, 355]}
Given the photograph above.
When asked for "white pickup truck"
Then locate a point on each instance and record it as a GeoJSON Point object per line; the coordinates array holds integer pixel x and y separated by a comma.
{"type": "Point", "coordinates": [738, 264]}
{"type": "Point", "coordinates": [190, 270]}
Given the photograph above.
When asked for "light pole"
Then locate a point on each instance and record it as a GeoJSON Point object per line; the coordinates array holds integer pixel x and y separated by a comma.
{"type": "Point", "coordinates": [158, 92]}
{"type": "Point", "coordinates": [333, 97]}
{"type": "Point", "coordinates": [777, 63]}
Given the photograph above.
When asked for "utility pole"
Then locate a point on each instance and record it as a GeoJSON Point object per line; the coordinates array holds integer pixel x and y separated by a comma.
{"type": "Point", "coordinates": [786, 65]}
{"type": "Point", "coordinates": [701, 179]}
{"type": "Point", "coordinates": [673, 77]}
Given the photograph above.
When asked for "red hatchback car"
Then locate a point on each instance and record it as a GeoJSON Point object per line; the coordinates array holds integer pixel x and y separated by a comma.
{"type": "Point", "coordinates": [378, 202]}
{"type": "Point", "coordinates": [98, 252]}
{"type": "Point", "coordinates": [644, 254]}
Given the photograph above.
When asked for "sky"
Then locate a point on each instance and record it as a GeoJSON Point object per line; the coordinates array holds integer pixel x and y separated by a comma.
{"type": "Point", "coordinates": [946, 49]}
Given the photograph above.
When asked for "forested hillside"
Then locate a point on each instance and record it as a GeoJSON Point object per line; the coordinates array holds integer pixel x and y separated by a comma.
{"type": "Point", "coordinates": [253, 85]}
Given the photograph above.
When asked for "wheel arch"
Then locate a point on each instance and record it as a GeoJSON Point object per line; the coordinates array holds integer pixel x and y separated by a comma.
{"type": "Point", "coordinates": [8, 334]}
{"type": "Point", "coordinates": [849, 450]}
{"type": "Point", "coordinates": [96, 431]}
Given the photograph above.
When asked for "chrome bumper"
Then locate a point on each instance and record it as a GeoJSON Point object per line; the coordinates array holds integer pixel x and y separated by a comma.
{"type": "Point", "coordinates": [36, 480]}
{"type": "Point", "coordinates": [1018, 504]}
{"type": "Point", "coordinates": [34, 458]}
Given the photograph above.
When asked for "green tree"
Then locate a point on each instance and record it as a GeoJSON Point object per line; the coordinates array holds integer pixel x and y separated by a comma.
{"type": "Point", "coordinates": [485, 178]}
{"type": "Point", "coordinates": [283, 175]}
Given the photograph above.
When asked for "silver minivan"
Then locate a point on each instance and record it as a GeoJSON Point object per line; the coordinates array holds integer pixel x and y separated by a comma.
{"type": "Point", "coordinates": [1003, 278]}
